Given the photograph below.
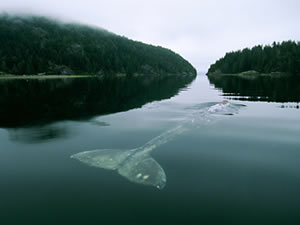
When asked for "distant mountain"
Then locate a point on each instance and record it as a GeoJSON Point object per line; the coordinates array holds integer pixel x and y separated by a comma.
{"type": "Point", "coordinates": [38, 45]}
{"type": "Point", "coordinates": [280, 57]}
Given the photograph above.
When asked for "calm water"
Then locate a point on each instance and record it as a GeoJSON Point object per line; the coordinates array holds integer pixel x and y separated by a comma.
{"type": "Point", "coordinates": [240, 169]}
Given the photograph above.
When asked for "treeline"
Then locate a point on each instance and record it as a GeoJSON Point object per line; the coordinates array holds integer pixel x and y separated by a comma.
{"type": "Point", "coordinates": [280, 57]}
{"type": "Point", "coordinates": [34, 45]}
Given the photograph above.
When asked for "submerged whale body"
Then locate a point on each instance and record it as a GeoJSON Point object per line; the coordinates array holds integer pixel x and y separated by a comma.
{"type": "Point", "coordinates": [137, 165]}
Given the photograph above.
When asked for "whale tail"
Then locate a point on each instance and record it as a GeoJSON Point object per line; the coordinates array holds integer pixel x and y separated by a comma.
{"type": "Point", "coordinates": [136, 166]}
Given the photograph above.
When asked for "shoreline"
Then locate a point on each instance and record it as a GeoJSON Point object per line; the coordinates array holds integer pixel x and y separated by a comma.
{"type": "Point", "coordinates": [250, 75]}
{"type": "Point", "coordinates": [20, 77]}
{"type": "Point", "coordinates": [117, 75]}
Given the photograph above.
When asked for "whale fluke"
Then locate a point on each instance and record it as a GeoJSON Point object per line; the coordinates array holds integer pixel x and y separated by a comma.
{"type": "Point", "coordinates": [103, 158]}
{"type": "Point", "coordinates": [141, 168]}
{"type": "Point", "coordinates": [138, 167]}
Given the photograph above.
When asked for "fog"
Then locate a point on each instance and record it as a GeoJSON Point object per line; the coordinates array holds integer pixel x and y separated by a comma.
{"type": "Point", "coordinates": [200, 31]}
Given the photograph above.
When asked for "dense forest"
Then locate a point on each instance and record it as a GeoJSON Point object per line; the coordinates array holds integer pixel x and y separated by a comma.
{"type": "Point", "coordinates": [38, 45]}
{"type": "Point", "coordinates": [280, 57]}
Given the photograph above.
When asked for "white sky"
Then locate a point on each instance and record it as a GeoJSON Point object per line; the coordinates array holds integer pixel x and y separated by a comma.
{"type": "Point", "coordinates": [200, 30]}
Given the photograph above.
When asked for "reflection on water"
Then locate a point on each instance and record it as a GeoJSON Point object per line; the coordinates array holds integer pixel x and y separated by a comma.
{"type": "Point", "coordinates": [38, 134]}
{"type": "Point", "coordinates": [99, 123]}
{"type": "Point", "coordinates": [258, 88]}
{"type": "Point", "coordinates": [35, 101]}
{"type": "Point", "coordinates": [289, 106]}
{"type": "Point", "coordinates": [136, 164]}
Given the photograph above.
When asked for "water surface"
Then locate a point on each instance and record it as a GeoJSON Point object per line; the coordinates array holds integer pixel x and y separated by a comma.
{"type": "Point", "coordinates": [240, 169]}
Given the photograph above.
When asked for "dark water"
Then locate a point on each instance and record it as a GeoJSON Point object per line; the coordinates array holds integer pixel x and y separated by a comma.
{"type": "Point", "coordinates": [241, 169]}
{"type": "Point", "coordinates": [259, 88]}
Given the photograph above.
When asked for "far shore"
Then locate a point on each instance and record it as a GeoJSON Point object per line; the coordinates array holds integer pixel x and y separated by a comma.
{"type": "Point", "coordinates": [252, 74]}
{"type": "Point", "coordinates": [115, 75]}
{"type": "Point", "coordinates": [7, 77]}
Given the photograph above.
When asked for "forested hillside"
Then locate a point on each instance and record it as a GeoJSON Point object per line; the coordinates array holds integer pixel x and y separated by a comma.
{"type": "Point", "coordinates": [37, 45]}
{"type": "Point", "coordinates": [280, 57]}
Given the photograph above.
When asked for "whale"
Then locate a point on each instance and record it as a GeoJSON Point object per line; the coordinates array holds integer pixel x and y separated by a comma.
{"type": "Point", "coordinates": [137, 165]}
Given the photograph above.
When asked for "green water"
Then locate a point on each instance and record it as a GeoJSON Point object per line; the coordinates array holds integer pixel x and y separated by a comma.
{"type": "Point", "coordinates": [240, 169]}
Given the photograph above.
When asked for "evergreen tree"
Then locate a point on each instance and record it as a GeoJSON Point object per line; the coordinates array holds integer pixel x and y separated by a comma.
{"type": "Point", "coordinates": [280, 57]}
{"type": "Point", "coordinates": [32, 45]}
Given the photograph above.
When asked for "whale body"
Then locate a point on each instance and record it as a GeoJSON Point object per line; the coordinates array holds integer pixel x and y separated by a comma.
{"type": "Point", "coordinates": [137, 165]}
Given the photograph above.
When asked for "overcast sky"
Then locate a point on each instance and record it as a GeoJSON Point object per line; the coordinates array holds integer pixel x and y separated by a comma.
{"type": "Point", "coordinates": [200, 30]}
